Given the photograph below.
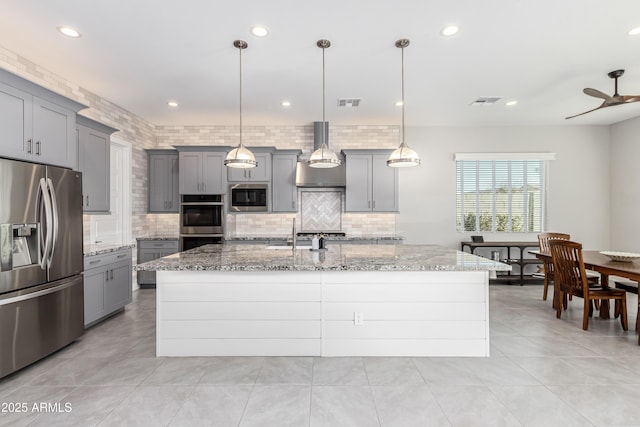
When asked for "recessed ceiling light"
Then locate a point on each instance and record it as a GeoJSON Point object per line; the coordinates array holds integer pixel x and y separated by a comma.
{"type": "Point", "coordinates": [260, 31]}
{"type": "Point", "coordinates": [399, 104]}
{"type": "Point", "coordinates": [173, 104]}
{"type": "Point", "coordinates": [510, 103]}
{"type": "Point", "coordinates": [449, 30]}
{"type": "Point", "coordinates": [285, 104]}
{"type": "Point", "coordinates": [634, 31]}
{"type": "Point", "coordinates": [68, 31]}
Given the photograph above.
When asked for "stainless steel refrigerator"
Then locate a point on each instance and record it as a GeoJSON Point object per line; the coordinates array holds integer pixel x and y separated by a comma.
{"type": "Point", "coordinates": [41, 261]}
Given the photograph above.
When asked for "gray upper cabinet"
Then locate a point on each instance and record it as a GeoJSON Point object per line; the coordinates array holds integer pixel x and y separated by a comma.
{"type": "Point", "coordinates": [262, 172]}
{"type": "Point", "coordinates": [202, 172]}
{"type": "Point", "coordinates": [371, 185]}
{"type": "Point", "coordinates": [94, 153]}
{"type": "Point", "coordinates": [36, 124]}
{"type": "Point", "coordinates": [163, 181]}
{"type": "Point", "coordinates": [284, 192]}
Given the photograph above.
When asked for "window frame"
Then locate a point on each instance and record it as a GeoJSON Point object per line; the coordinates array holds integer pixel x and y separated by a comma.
{"type": "Point", "coordinates": [507, 158]}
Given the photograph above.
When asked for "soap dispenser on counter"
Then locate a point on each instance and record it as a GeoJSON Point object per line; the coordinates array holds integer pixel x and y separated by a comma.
{"type": "Point", "coordinates": [315, 243]}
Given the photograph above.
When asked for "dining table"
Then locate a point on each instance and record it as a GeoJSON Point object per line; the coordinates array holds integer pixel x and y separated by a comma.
{"type": "Point", "coordinates": [595, 261]}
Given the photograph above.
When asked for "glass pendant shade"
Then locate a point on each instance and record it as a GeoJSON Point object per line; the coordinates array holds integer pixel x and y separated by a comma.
{"type": "Point", "coordinates": [240, 157]}
{"type": "Point", "coordinates": [403, 156]}
{"type": "Point", "coordinates": [323, 157]}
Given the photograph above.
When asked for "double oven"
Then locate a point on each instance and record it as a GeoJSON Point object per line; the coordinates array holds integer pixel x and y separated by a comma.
{"type": "Point", "coordinates": [201, 220]}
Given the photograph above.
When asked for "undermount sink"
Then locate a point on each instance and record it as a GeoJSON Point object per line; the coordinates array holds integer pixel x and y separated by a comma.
{"type": "Point", "coordinates": [289, 247]}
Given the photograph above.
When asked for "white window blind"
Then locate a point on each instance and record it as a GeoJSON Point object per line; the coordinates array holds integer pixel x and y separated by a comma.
{"type": "Point", "coordinates": [500, 195]}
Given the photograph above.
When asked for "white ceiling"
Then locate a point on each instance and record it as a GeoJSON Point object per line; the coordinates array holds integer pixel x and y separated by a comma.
{"type": "Point", "coordinates": [140, 54]}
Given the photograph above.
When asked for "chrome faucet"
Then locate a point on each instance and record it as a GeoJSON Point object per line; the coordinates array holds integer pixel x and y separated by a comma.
{"type": "Point", "coordinates": [293, 235]}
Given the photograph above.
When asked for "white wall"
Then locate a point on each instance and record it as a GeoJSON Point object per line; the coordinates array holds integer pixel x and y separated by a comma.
{"type": "Point", "coordinates": [625, 186]}
{"type": "Point", "coordinates": [578, 180]}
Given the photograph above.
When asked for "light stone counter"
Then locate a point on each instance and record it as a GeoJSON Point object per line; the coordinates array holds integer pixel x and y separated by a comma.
{"type": "Point", "coordinates": [350, 300]}
{"type": "Point", "coordinates": [101, 248]}
{"type": "Point", "coordinates": [338, 257]}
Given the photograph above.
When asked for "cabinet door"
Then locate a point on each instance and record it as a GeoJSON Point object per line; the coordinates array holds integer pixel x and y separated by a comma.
{"type": "Point", "coordinates": [118, 286]}
{"type": "Point", "coordinates": [54, 134]}
{"type": "Point", "coordinates": [15, 123]}
{"type": "Point", "coordinates": [214, 173]}
{"type": "Point", "coordinates": [163, 183]}
{"type": "Point", "coordinates": [358, 185]}
{"type": "Point", "coordinates": [94, 307]}
{"type": "Point", "coordinates": [190, 172]}
{"type": "Point", "coordinates": [173, 195]}
{"type": "Point", "coordinates": [284, 192]}
{"type": "Point", "coordinates": [145, 255]}
{"type": "Point", "coordinates": [384, 185]}
{"type": "Point", "coordinates": [262, 172]}
{"type": "Point", "coordinates": [237, 175]}
{"type": "Point", "coordinates": [94, 159]}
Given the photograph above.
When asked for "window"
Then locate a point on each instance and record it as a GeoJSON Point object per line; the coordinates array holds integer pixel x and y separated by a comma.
{"type": "Point", "coordinates": [500, 192]}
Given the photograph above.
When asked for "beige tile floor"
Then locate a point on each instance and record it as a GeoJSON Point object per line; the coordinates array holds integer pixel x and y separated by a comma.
{"type": "Point", "coordinates": [542, 372]}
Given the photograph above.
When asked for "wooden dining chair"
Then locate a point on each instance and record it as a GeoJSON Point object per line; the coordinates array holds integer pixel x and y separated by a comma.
{"type": "Point", "coordinates": [572, 279]}
{"type": "Point", "coordinates": [543, 241]}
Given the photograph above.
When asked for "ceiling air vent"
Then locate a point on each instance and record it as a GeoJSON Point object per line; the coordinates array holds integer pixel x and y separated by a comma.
{"type": "Point", "coordinates": [348, 102]}
{"type": "Point", "coordinates": [485, 101]}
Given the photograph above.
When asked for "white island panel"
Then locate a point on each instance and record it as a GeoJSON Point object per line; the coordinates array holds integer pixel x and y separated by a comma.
{"type": "Point", "coordinates": [220, 313]}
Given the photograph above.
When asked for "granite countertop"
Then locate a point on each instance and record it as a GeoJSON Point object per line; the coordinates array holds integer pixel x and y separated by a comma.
{"type": "Point", "coordinates": [101, 248]}
{"type": "Point", "coordinates": [305, 238]}
{"type": "Point", "coordinates": [157, 238]}
{"type": "Point", "coordinates": [337, 257]}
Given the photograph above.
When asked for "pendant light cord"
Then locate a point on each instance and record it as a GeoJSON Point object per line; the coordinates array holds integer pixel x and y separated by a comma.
{"type": "Point", "coordinates": [402, 135]}
{"type": "Point", "coordinates": [240, 49]}
{"type": "Point", "coordinates": [324, 137]}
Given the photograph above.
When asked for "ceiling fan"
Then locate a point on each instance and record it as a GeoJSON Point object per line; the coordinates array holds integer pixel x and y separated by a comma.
{"type": "Point", "coordinates": [609, 101]}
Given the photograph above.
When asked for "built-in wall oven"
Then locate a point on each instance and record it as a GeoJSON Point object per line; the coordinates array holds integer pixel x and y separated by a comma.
{"type": "Point", "coordinates": [201, 220]}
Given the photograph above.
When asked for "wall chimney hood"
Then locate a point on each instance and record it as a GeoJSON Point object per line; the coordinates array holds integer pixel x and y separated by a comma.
{"type": "Point", "coordinates": [307, 176]}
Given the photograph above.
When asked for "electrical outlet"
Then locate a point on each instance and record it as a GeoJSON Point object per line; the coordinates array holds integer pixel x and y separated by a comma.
{"type": "Point", "coordinates": [358, 318]}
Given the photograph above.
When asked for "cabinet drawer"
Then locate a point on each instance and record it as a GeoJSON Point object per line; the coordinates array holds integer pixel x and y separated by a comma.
{"type": "Point", "coordinates": [96, 261]}
{"type": "Point", "coordinates": [158, 244]}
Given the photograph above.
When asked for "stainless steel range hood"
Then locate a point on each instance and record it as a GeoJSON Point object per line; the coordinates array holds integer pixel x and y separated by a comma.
{"type": "Point", "coordinates": [307, 176]}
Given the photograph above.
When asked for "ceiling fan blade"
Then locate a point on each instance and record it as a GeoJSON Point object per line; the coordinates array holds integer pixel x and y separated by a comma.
{"type": "Point", "coordinates": [630, 98]}
{"type": "Point", "coordinates": [596, 93]}
{"type": "Point", "coordinates": [603, 105]}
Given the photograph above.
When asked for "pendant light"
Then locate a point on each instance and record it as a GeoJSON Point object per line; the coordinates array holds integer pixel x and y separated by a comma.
{"type": "Point", "coordinates": [323, 157]}
{"type": "Point", "coordinates": [240, 157]}
{"type": "Point", "coordinates": [403, 156]}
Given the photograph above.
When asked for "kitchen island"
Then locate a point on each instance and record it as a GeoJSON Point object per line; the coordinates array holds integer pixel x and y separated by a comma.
{"type": "Point", "coordinates": [348, 300]}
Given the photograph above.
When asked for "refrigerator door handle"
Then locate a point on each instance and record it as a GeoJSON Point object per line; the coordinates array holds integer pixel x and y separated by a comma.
{"type": "Point", "coordinates": [43, 196]}
{"type": "Point", "coordinates": [54, 210]}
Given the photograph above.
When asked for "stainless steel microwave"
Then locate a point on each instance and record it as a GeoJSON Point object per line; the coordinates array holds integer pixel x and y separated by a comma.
{"type": "Point", "coordinates": [252, 197]}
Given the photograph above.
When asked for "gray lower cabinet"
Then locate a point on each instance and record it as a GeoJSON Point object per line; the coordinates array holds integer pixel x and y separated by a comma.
{"type": "Point", "coordinates": [371, 185]}
{"type": "Point", "coordinates": [36, 124]}
{"type": "Point", "coordinates": [284, 192]}
{"type": "Point", "coordinates": [151, 249]}
{"type": "Point", "coordinates": [107, 284]}
{"type": "Point", "coordinates": [202, 172]}
{"type": "Point", "coordinates": [163, 181]}
{"type": "Point", "coordinates": [94, 153]}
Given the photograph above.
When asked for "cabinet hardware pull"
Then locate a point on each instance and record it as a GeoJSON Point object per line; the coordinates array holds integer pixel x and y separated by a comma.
{"type": "Point", "coordinates": [30, 146]}
{"type": "Point", "coordinates": [121, 256]}
{"type": "Point", "coordinates": [374, 204]}
{"type": "Point", "coordinates": [106, 276]}
{"type": "Point", "coordinates": [112, 274]}
{"type": "Point", "coordinates": [95, 261]}
{"type": "Point", "coordinates": [38, 152]}
{"type": "Point", "coordinates": [87, 200]}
